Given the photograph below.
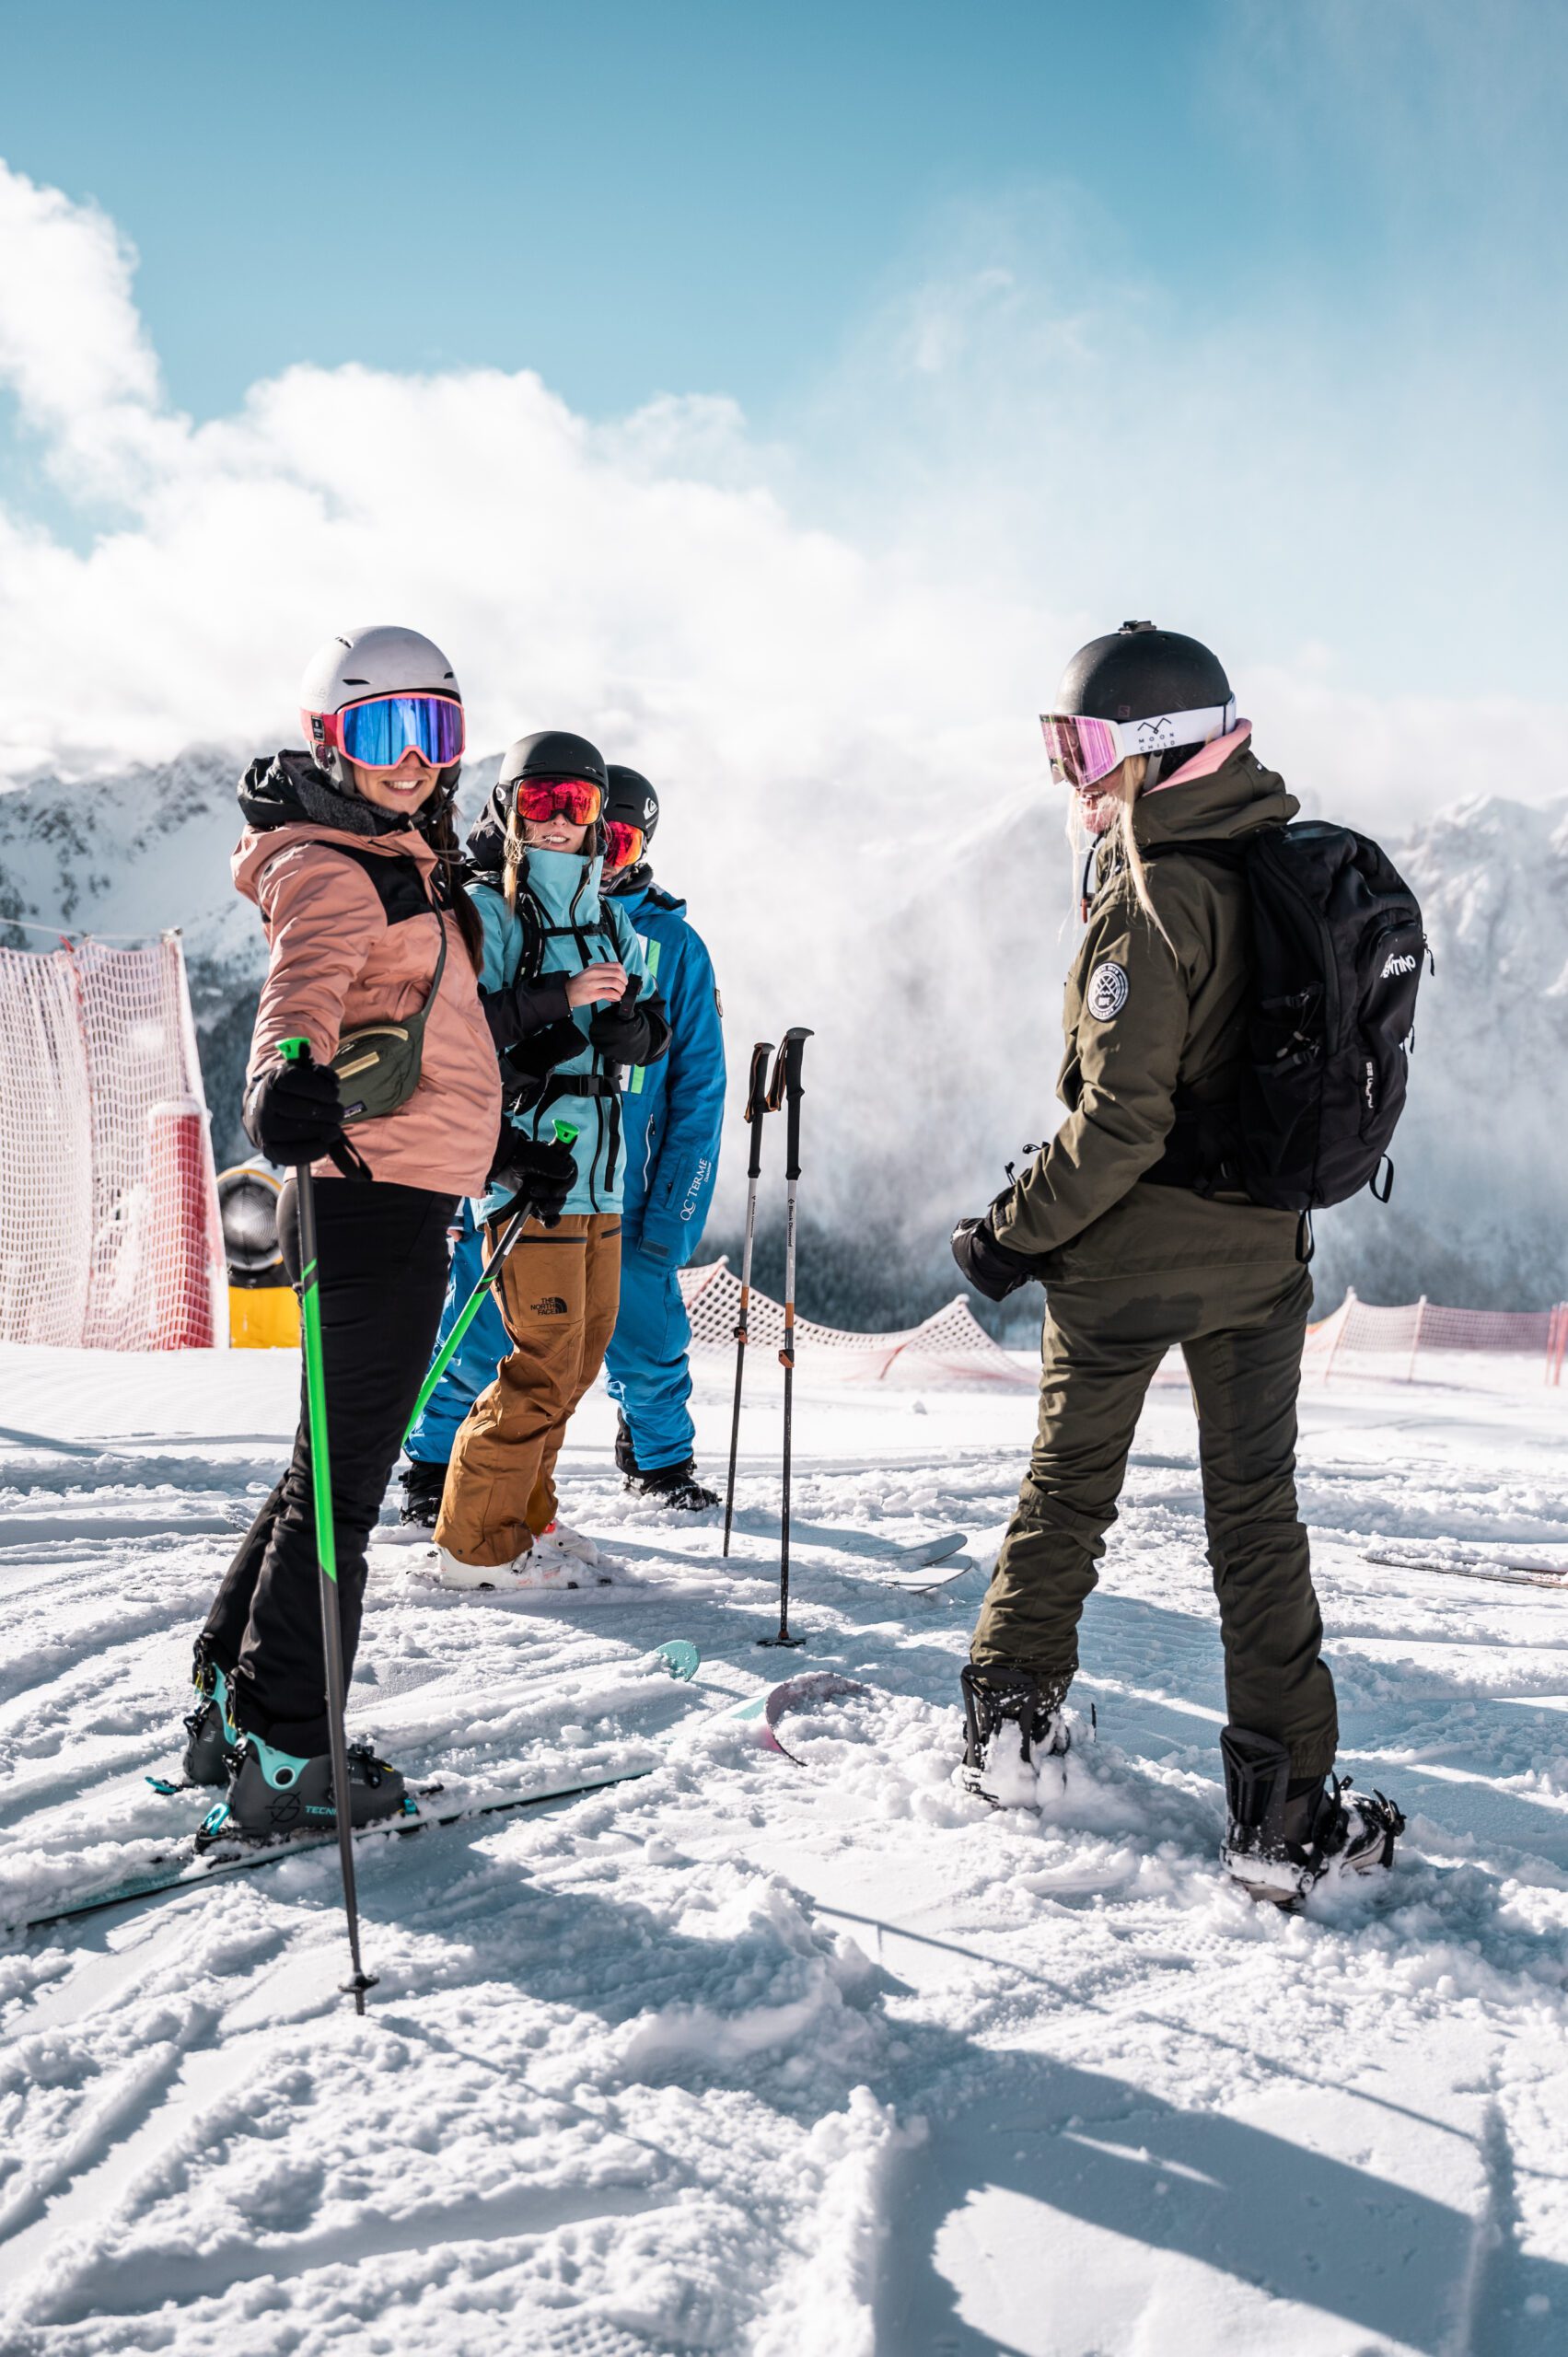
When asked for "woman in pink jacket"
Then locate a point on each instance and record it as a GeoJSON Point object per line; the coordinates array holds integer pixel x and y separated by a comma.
{"type": "Point", "coordinates": [350, 854]}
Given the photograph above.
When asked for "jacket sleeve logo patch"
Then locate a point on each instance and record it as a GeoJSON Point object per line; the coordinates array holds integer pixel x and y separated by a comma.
{"type": "Point", "coordinates": [1106, 993]}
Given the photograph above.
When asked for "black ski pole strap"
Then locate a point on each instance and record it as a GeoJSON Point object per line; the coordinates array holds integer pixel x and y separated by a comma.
{"type": "Point", "coordinates": [349, 1160]}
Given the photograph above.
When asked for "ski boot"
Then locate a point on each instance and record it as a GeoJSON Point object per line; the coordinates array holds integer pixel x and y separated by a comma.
{"type": "Point", "coordinates": [1284, 1836]}
{"type": "Point", "coordinates": [423, 1486]}
{"type": "Point", "coordinates": [211, 1739]}
{"type": "Point", "coordinates": [1003, 1699]}
{"type": "Point", "coordinates": [275, 1795]}
{"type": "Point", "coordinates": [675, 1486]}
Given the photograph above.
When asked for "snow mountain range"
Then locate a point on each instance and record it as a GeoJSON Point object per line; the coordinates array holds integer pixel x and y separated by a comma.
{"type": "Point", "coordinates": [961, 976]}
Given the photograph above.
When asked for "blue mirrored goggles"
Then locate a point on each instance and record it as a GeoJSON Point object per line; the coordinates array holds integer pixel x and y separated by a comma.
{"type": "Point", "coordinates": [379, 732]}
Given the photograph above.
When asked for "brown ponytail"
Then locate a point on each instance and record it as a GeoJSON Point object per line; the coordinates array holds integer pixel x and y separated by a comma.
{"type": "Point", "coordinates": [439, 829]}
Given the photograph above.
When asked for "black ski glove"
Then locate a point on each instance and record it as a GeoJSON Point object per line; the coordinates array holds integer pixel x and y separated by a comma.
{"type": "Point", "coordinates": [629, 1033]}
{"type": "Point", "coordinates": [532, 1172]}
{"type": "Point", "coordinates": [990, 1266]}
{"type": "Point", "coordinates": [293, 1113]}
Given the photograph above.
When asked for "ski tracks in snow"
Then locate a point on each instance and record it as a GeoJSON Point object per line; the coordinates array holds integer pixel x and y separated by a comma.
{"type": "Point", "coordinates": [812, 2059]}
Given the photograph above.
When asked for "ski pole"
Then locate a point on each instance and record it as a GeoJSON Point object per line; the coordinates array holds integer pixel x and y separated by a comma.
{"type": "Point", "coordinates": [298, 1051]}
{"type": "Point", "coordinates": [756, 1107]}
{"type": "Point", "coordinates": [785, 1084]}
{"type": "Point", "coordinates": [565, 1134]}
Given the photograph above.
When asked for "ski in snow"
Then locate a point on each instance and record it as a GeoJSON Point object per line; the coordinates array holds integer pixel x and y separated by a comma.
{"type": "Point", "coordinates": [187, 1869]}
{"type": "Point", "coordinates": [1475, 1567]}
{"type": "Point", "coordinates": [912, 1567]}
{"type": "Point", "coordinates": [765, 1711]}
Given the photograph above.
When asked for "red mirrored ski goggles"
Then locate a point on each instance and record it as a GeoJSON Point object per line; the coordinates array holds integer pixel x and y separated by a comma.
{"type": "Point", "coordinates": [623, 844]}
{"type": "Point", "coordinates": [1082, 749]}
{"type": "Point", "coordinates": [379, 732]}
{"type": "Point", "coordinates": [576, 799]}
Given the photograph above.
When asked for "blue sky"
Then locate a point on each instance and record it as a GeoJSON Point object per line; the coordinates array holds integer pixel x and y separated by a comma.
{"type": "Point", "coordinates": [673, 196]}
{"type": "Point", "coordinates": [1246, 314]}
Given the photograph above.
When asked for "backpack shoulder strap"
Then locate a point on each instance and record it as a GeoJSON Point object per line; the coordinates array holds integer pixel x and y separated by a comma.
{"type": "Point", "coordinates": [400, 888]}
{"type": "Point", "coordinates": [1221, 852]}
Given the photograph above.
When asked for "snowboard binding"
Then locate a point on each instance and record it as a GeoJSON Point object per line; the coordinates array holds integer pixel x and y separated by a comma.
{"type": "Point", "coordinates": [1278, 1847]}
{"type": "Point", "coordinates": [999, 1699]}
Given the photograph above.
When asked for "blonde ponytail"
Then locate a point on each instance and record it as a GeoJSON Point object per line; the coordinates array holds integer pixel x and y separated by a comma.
{"type": "Point", "coordinates": [512, 857]}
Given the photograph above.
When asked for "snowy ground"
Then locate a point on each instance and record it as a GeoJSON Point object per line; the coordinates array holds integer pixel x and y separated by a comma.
{"type": "Point", "coordinates": [756, 2057]}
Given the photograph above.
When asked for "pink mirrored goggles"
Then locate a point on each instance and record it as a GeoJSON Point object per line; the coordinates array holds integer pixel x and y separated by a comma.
{"type": "Point", "coordinates": [1082, 750]}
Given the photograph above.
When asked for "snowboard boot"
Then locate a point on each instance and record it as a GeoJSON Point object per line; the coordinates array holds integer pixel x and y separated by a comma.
{"type": "Point", "coordinates": [1284, 1835]}
{"type": "Point", "coordinates": [625, 1454]}
{"type": "Point", "coordinates": [557, 1539]}
{"type": "Point", "coordinates": [210, 1737]}
{"type": "Point", "coordinates": [1009, 1725]}
{"type": "Point", "coordinates": [423, 1486]}
{"type": "Point", "coordinates": [675, 1486]}
{"type": "Point", "coordinates": [276, 1795]}
{"type": "Point", "coordinates": [538, 1567]}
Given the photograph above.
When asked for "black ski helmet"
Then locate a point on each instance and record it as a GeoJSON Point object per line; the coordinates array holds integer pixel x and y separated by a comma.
{"type": "Point", "coordinates": [632, 800]}
{"type": "Point", "coordinates": [552, 752]}
{"type": "Point", "coordinates": [1140, 672]}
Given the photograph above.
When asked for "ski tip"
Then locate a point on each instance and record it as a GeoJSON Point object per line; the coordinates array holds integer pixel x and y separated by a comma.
{"type": "Point", "coordinates": [680, 1656]}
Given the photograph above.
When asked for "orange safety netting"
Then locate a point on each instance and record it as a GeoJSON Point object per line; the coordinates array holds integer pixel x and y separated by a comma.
{"type": "Point", "coordinates": [950, 1346]}
{"type": "Point", "coordinates": [1415, 1341]}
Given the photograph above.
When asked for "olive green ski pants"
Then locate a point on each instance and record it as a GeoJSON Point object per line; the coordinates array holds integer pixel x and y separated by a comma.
{"type": "Point", "coordinates": [1240, 1324]}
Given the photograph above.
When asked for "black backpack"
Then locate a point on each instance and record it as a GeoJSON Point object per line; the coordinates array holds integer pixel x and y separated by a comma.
{"type": "Point", "coordinates": [1338, 946]}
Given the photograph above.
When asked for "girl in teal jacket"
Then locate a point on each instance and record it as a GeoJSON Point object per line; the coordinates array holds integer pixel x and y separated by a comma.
{"type": "Point", "coordinates": [571, 1006]}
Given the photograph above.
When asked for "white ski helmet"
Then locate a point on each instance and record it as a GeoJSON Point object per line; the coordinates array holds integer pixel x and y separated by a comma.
{"type": "Point", "coordinates": [379, 660]}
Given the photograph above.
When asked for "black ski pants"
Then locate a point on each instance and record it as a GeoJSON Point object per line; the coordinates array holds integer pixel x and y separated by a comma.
{"type": "Point", "coordinates": [383, 1275]}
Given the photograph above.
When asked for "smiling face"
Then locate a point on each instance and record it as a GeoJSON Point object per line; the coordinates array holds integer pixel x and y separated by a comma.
{"type": "Point", "coordinates": [555, 833]}
{"type": "Point", "coordinates": [407, 788]}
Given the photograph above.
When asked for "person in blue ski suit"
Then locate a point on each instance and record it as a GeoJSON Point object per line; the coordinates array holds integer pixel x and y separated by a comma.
{"type": "Point", "coordinates": [672, 1113]}
{"type": "Point", "coordinates": [670, 1125]}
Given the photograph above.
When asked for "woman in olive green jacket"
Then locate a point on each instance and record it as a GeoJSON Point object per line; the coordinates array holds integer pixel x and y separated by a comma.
{"type": "Point", "coordinates": [1139, 1249]}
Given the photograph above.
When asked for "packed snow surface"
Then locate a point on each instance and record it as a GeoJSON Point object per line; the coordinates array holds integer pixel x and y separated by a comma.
{"type": "Point", "coordinates": [795, 2058]}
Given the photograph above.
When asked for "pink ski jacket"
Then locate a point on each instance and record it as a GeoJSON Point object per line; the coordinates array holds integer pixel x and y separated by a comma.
{"type": "Point", "coordinates": [340, 958]}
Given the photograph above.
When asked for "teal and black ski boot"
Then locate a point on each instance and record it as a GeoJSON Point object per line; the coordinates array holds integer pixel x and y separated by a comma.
{"type": "Point", "coordinates": [276, 1795]}
{"type": "Point", "coordinates": [210, 1739]}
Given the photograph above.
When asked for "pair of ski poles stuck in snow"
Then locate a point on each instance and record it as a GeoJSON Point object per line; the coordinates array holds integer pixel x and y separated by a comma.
{"type": "Point", "coordinates": [771, 1092]}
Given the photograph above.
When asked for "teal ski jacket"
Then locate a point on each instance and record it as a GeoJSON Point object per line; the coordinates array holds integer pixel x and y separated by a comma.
{"type": "Point", "coordinates": [562, 925]}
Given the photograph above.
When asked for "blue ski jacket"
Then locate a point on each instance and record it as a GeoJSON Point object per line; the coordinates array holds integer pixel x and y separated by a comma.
{"type": "Point", "coordinates": [673, 1111]}
{"type": "Point", "coordinates": [577, 928]}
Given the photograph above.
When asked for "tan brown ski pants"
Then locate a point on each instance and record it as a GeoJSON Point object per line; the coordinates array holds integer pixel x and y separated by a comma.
{"type": "Point", "coordinates": [560, 1287]}
{"type": "Point", "coordinates": [1221, 1281]}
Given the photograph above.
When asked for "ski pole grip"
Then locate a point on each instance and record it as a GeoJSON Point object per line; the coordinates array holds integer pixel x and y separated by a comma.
{"type": "Point", "coordinates": [757, 1103]}
{"type": "Point", "coordinates": [786, 1087]}
{"type": "Point", "coordinates": [294, 1052]}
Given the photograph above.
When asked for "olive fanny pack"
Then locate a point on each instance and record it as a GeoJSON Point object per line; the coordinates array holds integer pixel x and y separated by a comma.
{"type": "Point", "coordinates": [378, 1064]}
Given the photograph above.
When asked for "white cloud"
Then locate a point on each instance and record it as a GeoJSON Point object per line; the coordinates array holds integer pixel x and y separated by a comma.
{"type": "Point", "coordinates": [833, 713]}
